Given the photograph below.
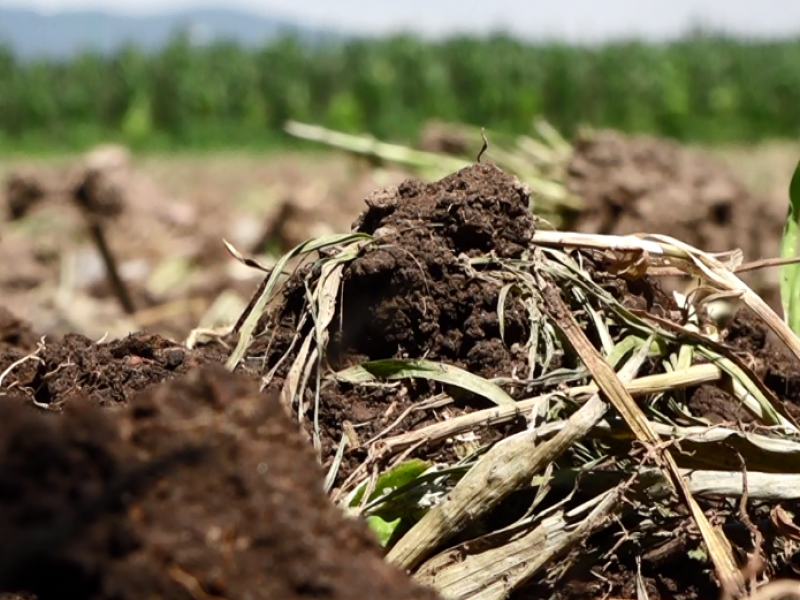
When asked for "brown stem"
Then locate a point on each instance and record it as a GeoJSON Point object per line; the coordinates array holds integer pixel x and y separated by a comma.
{"type": "Point", "coordinates": [114, 279]}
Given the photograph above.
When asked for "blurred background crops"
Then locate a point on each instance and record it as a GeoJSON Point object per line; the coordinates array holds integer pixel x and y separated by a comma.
{"type": "Point", "coordinates": [705, 88]}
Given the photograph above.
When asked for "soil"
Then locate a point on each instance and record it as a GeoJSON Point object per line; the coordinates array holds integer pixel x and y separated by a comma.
{"type": "Point", "coordinates": [164, 219]}
{"type": "Point", "coordinates": [199, 488]}
{"type": "Point", "coordinates": [412, 296]}
{"type": "Point", "coordinates": [15, 333]}
{"type": "Point", "coordinates": [106, 373]}
{"type": "Point", "coordinates": [139, 467]}
{"type": "Point", "coordinates": [643, 184]}
{"type": "Point", "coordinates": [769, 359]}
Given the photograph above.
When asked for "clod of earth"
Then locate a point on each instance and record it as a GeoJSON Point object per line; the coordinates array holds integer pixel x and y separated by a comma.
{"type": "Point", "coordinates": [201, 488]}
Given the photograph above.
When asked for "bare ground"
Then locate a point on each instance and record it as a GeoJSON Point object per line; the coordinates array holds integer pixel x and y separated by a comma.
{"type": "Point", "coordinates": [164, 476]}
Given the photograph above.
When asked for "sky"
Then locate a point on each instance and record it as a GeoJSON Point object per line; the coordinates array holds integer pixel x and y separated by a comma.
{"type": "Point", "coordinates": [589, 20]}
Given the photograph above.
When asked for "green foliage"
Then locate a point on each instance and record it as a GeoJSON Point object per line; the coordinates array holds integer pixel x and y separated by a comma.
{"type": "Point", "coordinates": [394, 478]}
{"type": "Point", "coordinates": [701, 88]}
{"type": "Point", "coordinates": [790, 282]}
{"type": "Point", "coordinates": [394, 518]}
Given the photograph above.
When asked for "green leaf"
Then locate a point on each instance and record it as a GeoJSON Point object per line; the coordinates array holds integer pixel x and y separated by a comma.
{"type": "Point", "coordinates": [631, 343]}
{"type": "Point", "coordinates": [384, 530]}
{"type": "Point", "coordinates": [402, 474]}
{"type": "Point", "coordinates": [424, 369]}
{"type": "Point", "coordinates": [790, 293]}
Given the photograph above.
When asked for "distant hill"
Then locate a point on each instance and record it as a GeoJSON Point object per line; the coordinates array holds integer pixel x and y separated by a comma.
{"type": "Point", "coordinates": [61, 35]}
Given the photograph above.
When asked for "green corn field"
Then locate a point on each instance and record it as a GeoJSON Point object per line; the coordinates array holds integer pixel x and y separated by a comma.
{"type": "Point", "coordinates": [701, 88]}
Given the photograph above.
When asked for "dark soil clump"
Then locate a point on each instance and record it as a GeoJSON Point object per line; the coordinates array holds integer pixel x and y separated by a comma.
{"type": "Point", "coordinates": [199, 488]}
{"type": "Point", "coordinates": [412, 294]}
{"type": "Point", "coordinates": [107, 373]}
{"type": "Point", "coordinates": [768, 358]}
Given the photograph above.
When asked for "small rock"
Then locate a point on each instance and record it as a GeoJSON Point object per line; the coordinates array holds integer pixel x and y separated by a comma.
{"type": "Point", "coordinates": [175, 358]}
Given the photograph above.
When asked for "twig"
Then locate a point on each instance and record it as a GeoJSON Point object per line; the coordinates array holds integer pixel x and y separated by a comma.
{"type": "Point", "coordinates": [755, 265]}
{"type": "Point", "coordinates": [114, 278]}
{"type": "Point", "coordinates": [485, 145]}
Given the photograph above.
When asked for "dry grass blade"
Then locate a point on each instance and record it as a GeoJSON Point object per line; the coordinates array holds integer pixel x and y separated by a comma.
{"type": "Point", "coordinates": [781, 589]}
{"type": "Point", "coordinates": [245, 260]}
{"type": "Point", "coordinates": [425, 369]}
{"type": "Point", "coordinates": [322, 308]}
{"type": "Point", "coordinates": [760, 486]}
{"type": "Point", "coordinates": [603, 374]}
{"type": "Point", "coordinates": [695, 375]}
{"type": "Point", "coordinates": [292, 383]}
{"type": "Point", "coordinates": [506, 467]}
{"type": "Point", "coordinates": [705, 447]}
{"type": "Point", "coordinates": [710, 268]}
{"type": "Point", "coordinates": [369, 146]}
{"type": "Point", "coordinates": [255, 309]}
{"type": "Point", "coordinates": [337, 462]}
{"type": "Point", "coordinates": [475, 573]}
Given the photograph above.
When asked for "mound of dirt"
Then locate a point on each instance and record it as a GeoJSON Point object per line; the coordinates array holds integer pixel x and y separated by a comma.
{"type": "Point", "coordinates": [15, 333]}
{"type": "Point", "coordinates": [201, 488]}
{"type": "Point", "coordinates": [413, 294]}
{"type": "Point", "coordinates": [643, 184]}
{"type": "Point", "coordinates": [23, 190]}
{"type": "Point", "coordinates": [107, 373]}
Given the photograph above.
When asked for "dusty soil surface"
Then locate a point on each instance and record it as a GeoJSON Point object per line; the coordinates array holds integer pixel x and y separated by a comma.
{"type": "Point", "coordinates": [200, 488]}
{"type": "Point", "coordinates": [164, 220]}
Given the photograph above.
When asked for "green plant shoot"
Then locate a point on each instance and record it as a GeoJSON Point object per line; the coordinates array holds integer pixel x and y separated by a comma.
{"type": "Point", "coordinates": [790, 292]}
